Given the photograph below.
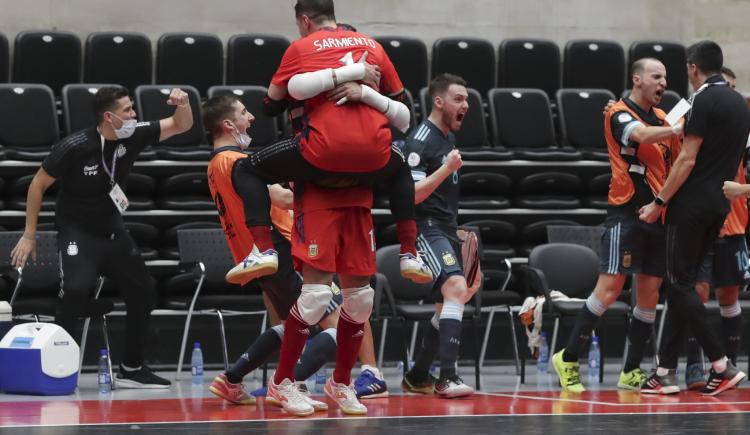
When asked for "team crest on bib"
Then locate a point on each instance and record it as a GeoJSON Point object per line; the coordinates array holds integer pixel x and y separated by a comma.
{"type": "Point", "coordinates": [72, 249]}
{"type": "Point", "coordinates": [624, 117]}
{"type": "Point", "coordinates": [448, 258]}
{"type": "Point", "coordinates": [413, 159]}
{"type": "Point", "coordinates": [627, 260]}
{"type": "Point", "coordinates": [121, 151]}
{"type": "Point", "coordinates": [312, 250]}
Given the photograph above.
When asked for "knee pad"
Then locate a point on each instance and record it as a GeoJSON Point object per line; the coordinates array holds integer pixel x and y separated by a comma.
{"type": "Point", "coordinates": [358, 303]}
{"type": "Point", "coordinates": [313, 301]}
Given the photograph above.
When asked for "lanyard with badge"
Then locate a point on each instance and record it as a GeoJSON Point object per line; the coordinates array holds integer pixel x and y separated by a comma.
{"type": "Point", "coordinates": [116, 193]}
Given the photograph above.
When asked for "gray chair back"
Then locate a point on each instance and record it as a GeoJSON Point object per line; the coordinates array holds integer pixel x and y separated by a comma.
{"type": "Point", "coordinates": [207, 246]}
{"type": "Point", "coordinates": [571, 269]}
{"type": "Point", "coordinates": [403, 289]}
{"type": "Point", "coordinates": [42, 273]}
{"type": "Point", "coordinates": [589, 236]}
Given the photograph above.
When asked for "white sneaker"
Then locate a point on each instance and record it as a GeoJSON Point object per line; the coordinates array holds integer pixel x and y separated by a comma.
{"type": "Point", "coordinates": [414, 269]}
{"type": "Point", "coordinates": [288, 396]}
{"type": "Point", "coordinates": [345, 397]}
{"type": "Point", "coordinates": [450, 388]}
{"type": "Point", "coordinates": [255, 265]}
{"type": "Point", "coordinates": [316, 404]}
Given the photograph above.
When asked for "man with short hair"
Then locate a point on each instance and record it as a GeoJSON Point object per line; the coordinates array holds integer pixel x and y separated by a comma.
{"type": "Point", "coordinates": [715, 135]}
{"type": "Point", "coordinates": [434, 160]}
{"type": "Point", "coordinates": [89, 167]}
{"type": "Point", "coordinates": [640, 144]}
{"type": "Point", "coordinates": [726, 269]}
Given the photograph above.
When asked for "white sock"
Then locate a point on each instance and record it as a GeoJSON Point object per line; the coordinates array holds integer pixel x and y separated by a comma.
{"type": "Point", "coordinates": [720, 364]}
{"type": "Point", "coordinates": [374, 370]}
{"type": "Point", "coordinates": [661, 371]}
{"type": "Point", "coordinates": [130, 369]}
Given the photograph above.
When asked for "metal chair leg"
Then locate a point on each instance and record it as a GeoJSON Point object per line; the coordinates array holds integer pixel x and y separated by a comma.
{"type": "Point", "coordinates": [553, 348]}
{"type": "Point", "coordinates": [414, 331]}
{"type": "Point", "coordinates": [105, 334]}
{"type": "Point", "coordinates": [84, 337]}
{"type": "Point", "coordinates": [186, 328]}
{"type": "Point", "coordinates": [405, 356]}
{"type": "Point", "coordinates": [486, 336]}
{"type": "Point", "coordinates": [662, 320]}
{"type": "Point", "coordinates": [475, 335]}
{"type": "Point", "coordinates": [515, 341]}
{"type": "Point", "coordinates": [381, 347]}
{"type": "Point", "coordinates": [223, 333]}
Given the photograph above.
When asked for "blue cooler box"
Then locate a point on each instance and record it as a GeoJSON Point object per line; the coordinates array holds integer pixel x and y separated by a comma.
{"type": "Point", "coordinates": [38, 358]}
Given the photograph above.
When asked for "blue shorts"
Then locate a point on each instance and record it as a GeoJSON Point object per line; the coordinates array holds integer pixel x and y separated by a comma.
{"type": "Point", "coordinates": [726, 264]}
{"type": "Point", "coordinates": [630, 245]}
{"type": "Point", "coordinates": [442, 254]}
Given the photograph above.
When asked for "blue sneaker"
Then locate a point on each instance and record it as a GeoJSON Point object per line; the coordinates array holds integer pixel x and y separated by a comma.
{"type": "Point", "coordinates": [368, 386]}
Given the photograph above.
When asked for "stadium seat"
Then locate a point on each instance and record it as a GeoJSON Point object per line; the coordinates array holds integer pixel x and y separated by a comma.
{"type": "Point", "coordinates": [535, 234]}
{"type": "Point", "coordinates": [151, 104]}
{"type": "Point", "coordinates": [669, 99]}
{"type": "Point", "coordinates": [187, 191]}
{"type": "Point", "coordinates": [598, 187]}
{"type": "Point", "coordinates": [4, 59]}
{"type": "Point", "coordinates": [28, 121]}
{"type": "Point", "coordinates": [594, 64]}
{"type": "Point", "coordinates": [529, 63]}
{"type": "Point", "coordinates": [409, 56]}
{"type": "Point", "coordinates": [472, 138]}
{"type": "Point", "coordinates": [470, 58]}
{"type": "Point", "coordinates": [144, 235]}
{"type": "Point", "coordinates": [18, 188]}
{"type": "Point", "coordinates": [582, 121]}
{"type": "Point", "coordinates": [168, 249]}
{"type": "Point", "coordinates": [118, 57]}
{"type": "Point", "coordinates": [497, 239]}
{"type": "Point", "coordinates": [140, 189]}
{"type": "Point", "coordinates": [548, 190]}
{"type": "Point", "coordinates": [253, 58]}
{"type": "Point", "coordinates": [52, 58]}
{"type": "Point", "coordinates": [521, 122]}
{"type": "Point", "coordinates": [672, 54]}
{"type": "Point", "coordinates": [195, 59]}
{"type": "Point", "coordinates": [484, 190]}
{"type": "Point", "coordinates": [265, 129]}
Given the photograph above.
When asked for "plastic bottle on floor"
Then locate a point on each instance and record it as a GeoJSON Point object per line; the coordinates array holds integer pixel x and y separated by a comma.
{"type": "Point", "coordinates": [542, 361]}
{"type": "Point", "coordinates": [595, 358]}
{"type": "Point", "coordinates": [196, 364]}
{"type": "Point", "coordinates": [105, 381]}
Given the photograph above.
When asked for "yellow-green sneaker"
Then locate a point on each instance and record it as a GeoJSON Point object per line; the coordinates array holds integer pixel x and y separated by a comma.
{"type": "Point", "coordinates": [632, 380]}
{"type": "Point", "coordinates": [569, 373]}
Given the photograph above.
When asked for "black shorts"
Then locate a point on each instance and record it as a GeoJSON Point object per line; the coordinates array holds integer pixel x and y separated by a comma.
{"type": "Point", "coordinates": [441, 252]}
{"type": "Point", "coordinates": [630, 245]}
{"type": "Point", "coordinates": [726, 264]}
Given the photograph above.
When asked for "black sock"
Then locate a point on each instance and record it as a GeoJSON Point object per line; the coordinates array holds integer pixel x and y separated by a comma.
{"type": "Point", "coordinates": [638, 336]}
{"type": "Point", "coordinates": [318, 351]}
{"type": "Point", "coordinates": [450, 338]}
{"type": "Point", "coordinates": [427, 353]}
{"type": "Point", "coordinates": [732, 329]}
{"type": "Point", "coordinates": [259, 352]}
{"type": "Point", "coordinates": [580, 335]}
{"type": "Point", "coordinates": [694, 351]}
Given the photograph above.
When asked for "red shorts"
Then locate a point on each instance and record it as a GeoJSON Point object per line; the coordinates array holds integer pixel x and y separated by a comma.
{"type": "Point", "coordinates": [337, 240]}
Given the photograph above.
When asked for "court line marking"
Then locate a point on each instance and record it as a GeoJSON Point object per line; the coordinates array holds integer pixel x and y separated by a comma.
{"type": "Point", "coordinates": [386, 417]}
{"type": "Point", "coordinates": [594, 402]}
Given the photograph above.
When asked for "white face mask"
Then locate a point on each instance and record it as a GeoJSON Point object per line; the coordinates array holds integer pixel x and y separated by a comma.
{"type": "Point", "coordinates": [127, 129]}
{"type": "Point", "coordinates": [242, 139]}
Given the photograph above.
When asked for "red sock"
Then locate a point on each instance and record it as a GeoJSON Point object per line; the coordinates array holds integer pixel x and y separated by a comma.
{"type": "Point", "coordinates": [262, 237]}
{"type": "Point", "coordinates": [348, 340]}
{"type": "Point", "coordinates": [407, 235]}
{"type": "Point", "coordinates": [296, 333]}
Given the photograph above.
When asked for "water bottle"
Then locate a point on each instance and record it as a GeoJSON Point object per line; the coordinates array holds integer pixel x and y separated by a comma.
{"type": "Point", "coordinates": [105, 381]}
{"type": "Point", "coordinates": [542, 361]}
{"type": "Point", "coordinates": [400, 366]}
{"type": "Point", "coordinates": [196, 364]}
{"type": "Point", "coordinates": [595, 356]}
{"type": "Point", "coordinates": [320, 380]}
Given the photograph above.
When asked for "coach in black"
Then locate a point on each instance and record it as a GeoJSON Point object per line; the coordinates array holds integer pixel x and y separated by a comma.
{"type": "Point", "coordinates": [90, 167]}
{"type": "Point", "coordinates": [715, 135]}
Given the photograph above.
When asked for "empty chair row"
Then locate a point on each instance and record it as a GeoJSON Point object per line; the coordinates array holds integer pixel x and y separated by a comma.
{"type": "Point", "coordinates": [54, 58]}
{"type": "Point", "coordinates": [521, 122]}
{"type": "Point", "coordinates": [29, 122]}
